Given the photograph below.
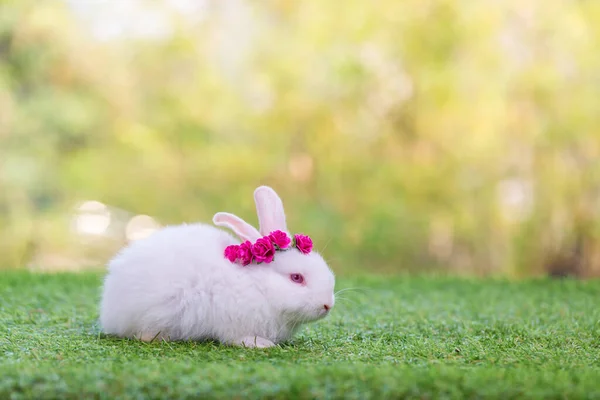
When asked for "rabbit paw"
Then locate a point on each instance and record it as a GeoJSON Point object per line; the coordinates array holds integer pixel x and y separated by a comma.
{"type": "Point", "coordinates": [254, 342]}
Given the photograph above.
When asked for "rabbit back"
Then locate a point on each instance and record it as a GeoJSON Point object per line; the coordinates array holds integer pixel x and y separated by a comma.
{"type": "Point", "coordinates": [175, 283]}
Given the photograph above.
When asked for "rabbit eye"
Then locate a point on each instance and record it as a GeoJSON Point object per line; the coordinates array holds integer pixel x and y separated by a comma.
{"type": "Point", "coordinates": [297, 278]}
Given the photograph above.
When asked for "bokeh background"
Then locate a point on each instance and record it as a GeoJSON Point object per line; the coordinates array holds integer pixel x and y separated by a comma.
{"type": "Point", "coordinates": [404, 136]}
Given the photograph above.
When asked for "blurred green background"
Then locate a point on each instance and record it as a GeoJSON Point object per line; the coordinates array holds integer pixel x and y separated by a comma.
{"type": "Point", "coordinates": [441, 135]}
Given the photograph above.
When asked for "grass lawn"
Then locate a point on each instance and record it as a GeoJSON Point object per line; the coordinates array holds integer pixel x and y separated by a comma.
{"type": "Point", "coordinates": [400, 337]}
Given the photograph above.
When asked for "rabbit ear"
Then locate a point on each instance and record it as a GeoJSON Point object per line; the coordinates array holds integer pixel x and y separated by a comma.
{"type": "Point", "coordinates": [236, 224]}
{"type": "Point", "coordinates": [270, 212]}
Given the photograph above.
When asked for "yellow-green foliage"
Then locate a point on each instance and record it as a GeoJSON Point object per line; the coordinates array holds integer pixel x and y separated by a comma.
{"type": "Point", "coordinates": [402, 135]}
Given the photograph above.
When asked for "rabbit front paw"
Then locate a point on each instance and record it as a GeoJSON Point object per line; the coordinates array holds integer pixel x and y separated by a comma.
{"type": "Point", "coordinates": [254, 342]}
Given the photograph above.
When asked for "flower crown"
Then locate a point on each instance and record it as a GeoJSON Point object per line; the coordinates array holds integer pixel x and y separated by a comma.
{"type": "Point", "coordinates": [263, 250]}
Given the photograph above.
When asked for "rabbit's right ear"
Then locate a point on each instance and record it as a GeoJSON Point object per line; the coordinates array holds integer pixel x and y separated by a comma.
{"type": "Point", "coordinates": [241, 228]}
{"type": "Point", "coordinates": [269, 207]}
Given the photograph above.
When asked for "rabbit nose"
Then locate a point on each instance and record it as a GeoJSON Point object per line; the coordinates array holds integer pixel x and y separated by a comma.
{"type": "Point", "coordinates": [326, 307]}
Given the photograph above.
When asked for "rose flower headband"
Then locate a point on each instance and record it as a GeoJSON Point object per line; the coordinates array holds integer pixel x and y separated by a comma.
{"type": "Point", "coordinates": [263, 250]}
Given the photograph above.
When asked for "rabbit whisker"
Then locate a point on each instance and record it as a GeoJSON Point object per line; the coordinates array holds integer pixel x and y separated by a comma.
{"type": "Point", "coordinates": [348, 289]}
{"type": "Point", "coordinates": [326, 244]}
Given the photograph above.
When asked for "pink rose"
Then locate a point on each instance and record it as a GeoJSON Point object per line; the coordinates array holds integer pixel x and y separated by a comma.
{"type": "Point", "coordinates": [245, 252]}
{"type": "Point", "coordinates": [263, 250]}
{"type": "Point", "coordinates": [303, 243]}
{"type": "Point", "coordinates": [280, 239]}
{"type": "Point", "coordinates": [231, 252]}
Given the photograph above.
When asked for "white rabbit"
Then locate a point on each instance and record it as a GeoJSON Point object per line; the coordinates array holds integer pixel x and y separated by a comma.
{"type": "Point", "coordinates": [177, 284]}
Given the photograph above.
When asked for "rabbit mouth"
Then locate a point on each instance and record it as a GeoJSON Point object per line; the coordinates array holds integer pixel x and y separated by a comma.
{"type": "Point", "coordinates": [306, 317]}
{"type": "Point", "coordinates": [323, 312]}
{"type": "Point", "coordinates": [308, 314]}
{"type": "Point", "coordinates": [319, 313]}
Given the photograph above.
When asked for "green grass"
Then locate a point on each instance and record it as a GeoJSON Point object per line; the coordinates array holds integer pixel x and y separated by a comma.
{"type": "Point", "coordinates": [400, 337]}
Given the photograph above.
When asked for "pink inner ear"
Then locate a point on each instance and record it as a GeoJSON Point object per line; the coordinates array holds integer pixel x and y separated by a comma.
{"type": "Point", "coordinates": [241, 228]}
{"type": "Point", "coordinates": [269, 208]}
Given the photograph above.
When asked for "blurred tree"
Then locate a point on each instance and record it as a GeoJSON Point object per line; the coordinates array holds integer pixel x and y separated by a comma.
{"type": "Point", "coordinates": [405, 135]}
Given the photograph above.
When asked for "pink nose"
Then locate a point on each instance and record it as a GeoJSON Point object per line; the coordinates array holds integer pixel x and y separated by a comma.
{"type": "Point", "coordinates": [326, 307]}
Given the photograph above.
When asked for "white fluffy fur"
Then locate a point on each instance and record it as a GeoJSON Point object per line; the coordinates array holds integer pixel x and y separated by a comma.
{"type": "Point", "coordinates": [177, 285]}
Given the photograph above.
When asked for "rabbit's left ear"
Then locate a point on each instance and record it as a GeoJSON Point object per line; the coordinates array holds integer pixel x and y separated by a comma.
{"type": "Point", "coordinates": [241, 228]}
{"type": "Point", "coordinates": [269, 208]}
